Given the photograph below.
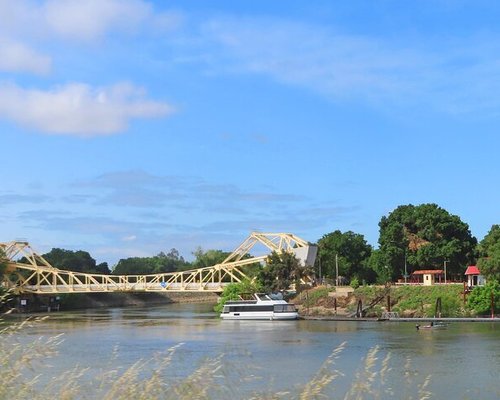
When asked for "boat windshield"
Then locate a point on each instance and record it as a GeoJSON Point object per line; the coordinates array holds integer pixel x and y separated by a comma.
{"type": "Point", "coordinates": [284, 308]}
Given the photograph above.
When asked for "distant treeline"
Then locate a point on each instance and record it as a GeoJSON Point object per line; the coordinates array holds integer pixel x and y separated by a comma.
{"type": "Point", "coordinates": [82, 261]}
{"type": "Point", "coordinates": [411, 237]}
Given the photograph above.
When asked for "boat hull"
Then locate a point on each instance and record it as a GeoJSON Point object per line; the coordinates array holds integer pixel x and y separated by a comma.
{"type": "Point", "coordinates": [269, 316]}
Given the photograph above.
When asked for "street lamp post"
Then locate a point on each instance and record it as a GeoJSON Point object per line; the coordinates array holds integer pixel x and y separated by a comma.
{"type": "Point", "coordinates": [445, 262]}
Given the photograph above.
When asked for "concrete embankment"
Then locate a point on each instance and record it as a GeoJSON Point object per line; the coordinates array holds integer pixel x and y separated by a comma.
{"type": "Point", "coordinates": [74, 301]}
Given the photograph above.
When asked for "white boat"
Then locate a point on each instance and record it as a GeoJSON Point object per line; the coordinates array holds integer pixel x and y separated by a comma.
{"type": "Point", "coordinates": [260, 307]}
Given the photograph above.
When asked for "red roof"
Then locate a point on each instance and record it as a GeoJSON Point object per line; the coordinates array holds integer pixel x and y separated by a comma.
{"type": "Point", "coordinates": [472, 270]}
{"type": "Point", "coordinates": [428, 271]}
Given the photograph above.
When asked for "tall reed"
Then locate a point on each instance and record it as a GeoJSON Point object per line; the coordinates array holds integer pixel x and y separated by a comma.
{"type": "Point", "coordinates": [24, 375]}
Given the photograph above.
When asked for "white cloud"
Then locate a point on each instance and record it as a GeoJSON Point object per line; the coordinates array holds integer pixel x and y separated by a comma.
{"type": "Point", "coordinates": [129, 238]}
{"type": "Point", "coordinates": [81, 20]}
{"type": "Point", "coordinates": [454, 75]}
{"type": "Point", "coordinates": [90, 19]}
{"type": "Point", "coordinates": [16, 56]}
{"type": "Point", "coordinates": [78, 109]}
{"type": "Point", "coordinates": [24, 24]}
{"type": "Point", "coordinates": [315, 57]}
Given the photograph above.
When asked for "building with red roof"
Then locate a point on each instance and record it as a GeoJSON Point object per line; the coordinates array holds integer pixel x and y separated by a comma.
{"type": "Point", "coordinates": [427, 277]}
{"type": "Point", "coordinates": [474, 277]}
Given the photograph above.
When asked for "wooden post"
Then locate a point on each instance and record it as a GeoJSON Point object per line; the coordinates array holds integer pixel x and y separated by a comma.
{"type": "Point", "coordinates": [359, 311]}
{"type": "Point", "coordinates": [437, 310]}
{"type": "Point", "coordinates": [388, 303]}
{"type": "Point", "coordinates": [492, 304]}
{"type": "Point", "coordinates": [335, 305]}
{"type": "Point", "coordinates": [307, 302]}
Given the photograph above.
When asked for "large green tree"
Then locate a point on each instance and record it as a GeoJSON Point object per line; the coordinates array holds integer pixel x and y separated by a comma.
{"type": "Point", "coordinates": [281, 271]}
{"type": "Point", "coordinates": [489, 251]}
{"type": "Point", "coordinates": [424, 237]}
{"type": "Point", "coordinates": [78, 261]}
{"type": "Point", "coordinates": [161, 263]}
{"type": "Point", "coordinates": [379, 264]}
{"type": "Point", "coordinates": [208, 258]}
{"type": "Point", "coordinates": [3, 263]}
{"type": "Point", "coordinates": [352, 252]}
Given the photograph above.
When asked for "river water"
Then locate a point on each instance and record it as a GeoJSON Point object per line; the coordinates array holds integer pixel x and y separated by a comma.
{"type": "Point", "coordinates": [462, 361]}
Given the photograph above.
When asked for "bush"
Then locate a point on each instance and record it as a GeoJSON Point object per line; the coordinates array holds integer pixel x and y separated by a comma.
{"type": "Point", "coordinates": [420, 301]}
{"type": "Point", "coordinates": [355, 283]}
{"type": "Point", "coordinates": [479, 300]}
{"type": "Point", "coordinates": [233, 291]}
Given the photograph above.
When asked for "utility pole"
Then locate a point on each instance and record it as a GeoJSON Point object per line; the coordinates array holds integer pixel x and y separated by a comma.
{"type": "Point", "coordinates": [320, 280]}
{"type": "Point", "coordinates": [406, 272]}
{"type": "Point", "coordinates": [445, 262]}
{"type": "Point", "coordinates": [336, 269]}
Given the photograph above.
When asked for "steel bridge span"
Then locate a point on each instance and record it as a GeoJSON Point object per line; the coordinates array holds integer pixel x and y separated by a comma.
{"type": "Point", "coordinates": [35, 274]}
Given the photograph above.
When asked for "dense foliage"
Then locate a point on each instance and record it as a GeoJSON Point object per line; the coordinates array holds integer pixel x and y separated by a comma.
{"type": "Point", "coordinates": [489, 250]}
{"type": "Point", "coordinates": [352, 253]}
{"type": "Point", "coordinates": [78, 261]}
{"type": "Point", "coordinates": [234, 291]}
{"type": "Point", "coordinates": [170, 262]}
{"type": "Point", "coordinates": [208, 258]}
{"type": "Point", "coordinates": [3, 263]}
{"type": "Point", "coordinates": [424, 237]}
{"type": "Point", "coordinates": [281, 271]}
{"type": "Point", "coordinates": [479, 299]}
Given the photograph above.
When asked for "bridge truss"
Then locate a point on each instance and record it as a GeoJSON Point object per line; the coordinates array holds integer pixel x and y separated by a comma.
{"type": "Point", "coordinates": [35, 274]}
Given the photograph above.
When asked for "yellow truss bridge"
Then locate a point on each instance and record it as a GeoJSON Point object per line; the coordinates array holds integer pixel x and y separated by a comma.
{"type": "Point", "coordinates": [36, 275]}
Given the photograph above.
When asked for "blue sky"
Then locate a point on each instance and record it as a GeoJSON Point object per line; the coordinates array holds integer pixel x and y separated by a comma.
{"type": "Point", "coordinates": [129, 127]}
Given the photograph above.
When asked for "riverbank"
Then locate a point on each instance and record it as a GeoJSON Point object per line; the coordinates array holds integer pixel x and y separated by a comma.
{"type": "Point", "coordinates": [416, 319]}
{"type": "Point", "coordinates": [375, 301]}
{"type": "Point", "coordinates": [78, 301]}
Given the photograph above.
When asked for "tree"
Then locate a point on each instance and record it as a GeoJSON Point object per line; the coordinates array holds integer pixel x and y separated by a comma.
{"type": "Point", "coordinates": [489, 250]}
{"type": "Point", "coordinates": [161, 263]}
{"type": "Point", "coordinates": [380, 265]}
{"type": "Point", "coordinates": [352, 252]}
{"type": "Point", "coordinates": [135, 266]}
{"type": "Point", "coordinates": [170, 262]}
{"type": "Point", "coordinates": [280, 271]}
{"type": "Point", "coordinates": [102, 268]}
{"type": "Point", "coordinates": [424, 237]}
{"type": "Point", "coordinates": [208, 258]}
{"type": "Point", "coordinates": [479, 299]}
{"type": "Point", "coordinates": [3, 262]}
{"type": "Point", "coordinates": [78, 261]}
{"type": "Point", "coordinates": [233, 291]}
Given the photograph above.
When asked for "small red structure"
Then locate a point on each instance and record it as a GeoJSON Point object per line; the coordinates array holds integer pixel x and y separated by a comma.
{"type": "Point", "coordinates": [474, 277]}
{"type": "Point", "coordinates": [427, 277]}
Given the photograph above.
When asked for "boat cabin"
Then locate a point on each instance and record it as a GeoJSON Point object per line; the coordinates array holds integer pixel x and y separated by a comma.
{"type": "Point", "coordinates": [261, 307]}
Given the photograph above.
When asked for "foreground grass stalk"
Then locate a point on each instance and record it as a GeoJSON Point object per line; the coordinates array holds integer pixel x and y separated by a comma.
{"type": "Point", "coordinates": [25, 374]}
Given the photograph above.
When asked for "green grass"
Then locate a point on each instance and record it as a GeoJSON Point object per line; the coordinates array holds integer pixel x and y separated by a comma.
{"type": "Point", "coordinates": [311, 297]}
{"type": "Point", "coordinates": [420, 301]}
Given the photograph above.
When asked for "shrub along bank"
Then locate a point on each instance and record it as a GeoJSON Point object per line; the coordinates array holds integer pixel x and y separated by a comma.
{"type": "Point", "coordinates": [407, 301]}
